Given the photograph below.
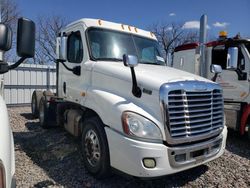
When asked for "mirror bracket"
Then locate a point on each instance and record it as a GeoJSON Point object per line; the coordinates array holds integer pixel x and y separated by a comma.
{"type": "Point", "coordinates": [4, 67]}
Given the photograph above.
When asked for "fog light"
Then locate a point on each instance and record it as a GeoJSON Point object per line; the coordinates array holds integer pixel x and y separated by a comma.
{"type": "Point", "coordinates": [149, 163]}
{"type": "Point", "coordinates": [180, 157]}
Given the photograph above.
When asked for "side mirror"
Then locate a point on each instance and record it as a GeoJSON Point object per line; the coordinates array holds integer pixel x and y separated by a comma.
{"type": "Point", "coordinates": [215, 68]}
{"type": "Point", "coordinates": [61, 48]}
{"type": "Point", "coordinates": [232, 58]}
{"type": "Point", "coordinates": [5, 37]}
{"type": "Point", "coordinates": [130, 60]}
{"type": "Point", "coordinates": [25, 38]}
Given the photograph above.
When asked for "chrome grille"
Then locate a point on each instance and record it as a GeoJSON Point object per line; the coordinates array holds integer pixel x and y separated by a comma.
{"type": "Point", "coordinates": [194, 113]}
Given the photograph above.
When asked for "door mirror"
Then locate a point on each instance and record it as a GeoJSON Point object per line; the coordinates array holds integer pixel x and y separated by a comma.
{"type": "Point", "coordinates": [215, 68]}
{"type": "Point", "coordinates": [232, 58]}
{"type": "Point", "coordinates": [25, 38]}
{"type": "Point", "coordinates": [61, 48]}
{"type": "Point", "coordinates": [130, 60]}
{"type": "Point", "coordinates": [5, 37]}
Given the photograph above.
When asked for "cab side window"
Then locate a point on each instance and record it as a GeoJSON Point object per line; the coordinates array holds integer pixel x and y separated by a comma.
{"type": "Point", "coordinates": [75, 48]}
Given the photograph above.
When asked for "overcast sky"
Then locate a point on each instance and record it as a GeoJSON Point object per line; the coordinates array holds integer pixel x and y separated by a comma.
{"type": "Point", "coordinates": [230, 15]}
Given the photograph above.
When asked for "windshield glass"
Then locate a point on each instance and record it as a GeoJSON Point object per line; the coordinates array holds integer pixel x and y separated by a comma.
{"type": "Point", "coordinates": [111, 45]}
{"type": "Point", "coordinates": [248, 47]}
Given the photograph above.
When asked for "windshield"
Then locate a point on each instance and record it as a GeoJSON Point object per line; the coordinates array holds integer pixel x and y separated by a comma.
{"type": "Point", "coordinates": [248, 47]}
{"type": "Point", "coordinates": [111, 45]}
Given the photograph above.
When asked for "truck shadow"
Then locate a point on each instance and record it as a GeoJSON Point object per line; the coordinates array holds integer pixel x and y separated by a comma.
{"type": "Point", "coordinates": [27, 116]}
{"type": "Point", "coordinates": [238, 144]}
{"type": "Point", "coordinates": [58, 154]}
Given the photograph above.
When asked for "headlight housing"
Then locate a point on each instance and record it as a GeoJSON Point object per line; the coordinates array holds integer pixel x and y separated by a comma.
{"type": "Point", "coordinates": [139, 126]}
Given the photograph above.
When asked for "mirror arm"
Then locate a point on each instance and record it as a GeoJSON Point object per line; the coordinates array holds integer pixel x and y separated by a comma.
{"type": "Point", "coordinates": [15, 65]}
{"type": "Point", "coordinates": [76, 70]}
{"type": "Point", "coordinates": [66, 67]}
{"type": "Point", "coordinates": [214, 77]}
{"type": "Point", "coordinates": [135, 89]}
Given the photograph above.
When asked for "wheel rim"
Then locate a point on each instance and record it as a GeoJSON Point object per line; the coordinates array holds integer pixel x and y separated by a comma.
{"type": "Point", "coordinates": [92, 148]}
{"type": "Point", "coordinates": [41, 114]}
{"type": "Point", "coordinates": [33, 105]}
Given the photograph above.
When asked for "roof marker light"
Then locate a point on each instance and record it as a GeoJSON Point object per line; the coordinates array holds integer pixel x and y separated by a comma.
{"type": "Point", "coordinates": [129, 28]}
{"type": "Point", "coordinates": [122, 26]}
{"type": "Point", "coordinates": [223, 34]}
{"type": "Point", "coordinates": [100, 22]}
{"type": "Point", "coordinates": [136, 30]}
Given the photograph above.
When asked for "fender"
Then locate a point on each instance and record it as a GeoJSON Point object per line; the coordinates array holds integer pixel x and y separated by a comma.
{"type": "Point", "coordinates": [244, 117]}
{"type": "Point", "coordinates": [110, 106]}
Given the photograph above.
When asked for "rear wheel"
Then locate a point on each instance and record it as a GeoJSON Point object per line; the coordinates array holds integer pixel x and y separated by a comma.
{"type": "Point", "coordinates": [35, 100]}
{"type": "Point", "coordinates": [95, 148]}
{"type": "Point", "coordinates": [43, 113]}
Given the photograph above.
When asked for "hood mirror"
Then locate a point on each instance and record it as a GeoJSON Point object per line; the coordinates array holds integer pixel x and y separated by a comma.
{"type": "Point", "coordinates": [216, 69]}
{"type": "Point", "coordinates": [130, 60]}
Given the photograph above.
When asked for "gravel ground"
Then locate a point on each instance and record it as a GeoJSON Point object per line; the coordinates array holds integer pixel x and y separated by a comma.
{"type": "Point", "coordinates": [50, 158]}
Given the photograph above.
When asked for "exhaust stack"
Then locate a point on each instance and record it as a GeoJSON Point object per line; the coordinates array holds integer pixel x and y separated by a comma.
{"type": "Point", "coordinates": [202, 41]}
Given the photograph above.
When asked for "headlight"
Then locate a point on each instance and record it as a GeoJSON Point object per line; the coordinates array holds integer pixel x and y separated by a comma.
{"type": "Point", "coordinates": [2, 175]}
{"type": "Point", "coordinates": [139, 126]}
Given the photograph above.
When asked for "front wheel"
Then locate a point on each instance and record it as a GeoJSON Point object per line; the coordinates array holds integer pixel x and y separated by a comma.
{"type": "Point", "coordinates": [95, 149]}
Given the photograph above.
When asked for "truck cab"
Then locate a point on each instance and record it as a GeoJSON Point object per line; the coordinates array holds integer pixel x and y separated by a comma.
{"type": "Point", "coordinates": [131, 111]}
{"type": "Point", "coordinates": [25, 49]}
{"type": "Point", "coordinates": [233, 55]}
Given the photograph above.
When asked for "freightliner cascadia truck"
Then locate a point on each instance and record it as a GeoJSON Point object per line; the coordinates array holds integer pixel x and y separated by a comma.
{"type": "Point", "coordinates": [25, 49]}
{"type": "Point", "coordinates": [132, 112]}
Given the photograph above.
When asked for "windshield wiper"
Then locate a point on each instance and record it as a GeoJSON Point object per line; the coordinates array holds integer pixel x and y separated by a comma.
{"type": "Point", "coordinates": [149, 63]}
{"type": "Point", "coordinates": [109, 59]}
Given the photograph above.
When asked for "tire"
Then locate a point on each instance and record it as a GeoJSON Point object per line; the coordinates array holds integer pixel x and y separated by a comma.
{"type": "Point", "coordinates": [43, 113]}
{"type": "Point", "coordinates": [94, 138]}
{"type": "Point", "coordinates": [35, 100]}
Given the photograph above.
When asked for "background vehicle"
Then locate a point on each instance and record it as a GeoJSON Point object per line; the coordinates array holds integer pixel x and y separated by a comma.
{"type": "Point", "coordinates": [25, 49]}
{"type": "Point", "coordinates": [233, 55]}
{"type": "Point", "coordinates": [166, 124]}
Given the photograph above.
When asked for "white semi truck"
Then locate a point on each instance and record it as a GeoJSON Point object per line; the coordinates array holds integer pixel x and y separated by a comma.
{"type": "Point", "coordinates": [170, 121]}
{"type": "Point", "coordinates": [233, 56]}
{"type": "Point", "coordinates": [25, 49]}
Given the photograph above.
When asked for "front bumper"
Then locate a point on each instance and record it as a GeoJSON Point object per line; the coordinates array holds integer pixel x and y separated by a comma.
{"type": "Point", "coordinates": [127, 154]}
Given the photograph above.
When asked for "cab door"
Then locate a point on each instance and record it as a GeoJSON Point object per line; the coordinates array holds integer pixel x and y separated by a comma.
{"type": "Point", "coordinates": [72, 77]}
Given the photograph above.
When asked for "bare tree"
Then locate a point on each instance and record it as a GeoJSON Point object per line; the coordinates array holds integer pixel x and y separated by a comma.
{"type": "Point", "coordinates": [173, 35]}
{"type": "Point", "coordinates": [9, 12]}
{"type": "Point", "coordinates": [9, 15]}
{"type": "Point", "coordinates": [48, 29]}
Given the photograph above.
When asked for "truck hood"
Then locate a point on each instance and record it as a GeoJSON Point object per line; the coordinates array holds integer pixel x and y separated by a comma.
{"type": "Point", "coordinates": [150, 76]}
